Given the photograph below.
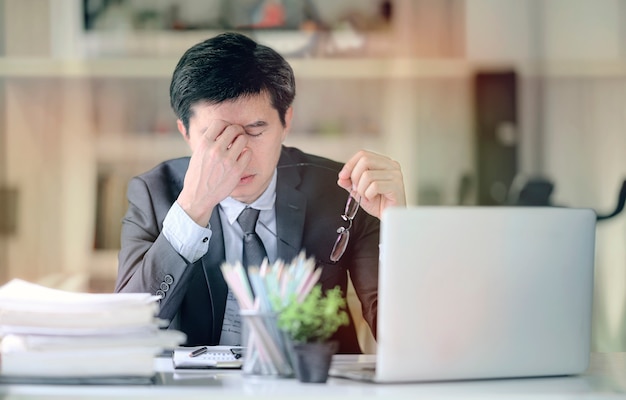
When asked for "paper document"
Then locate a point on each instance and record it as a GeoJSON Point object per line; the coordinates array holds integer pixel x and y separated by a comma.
{"type": "Point", "coordinates": [213, 357]}
{"type": "Point", "coordinates": [53, 335]}
{"type": "Point", "coordinates": [27, 305]}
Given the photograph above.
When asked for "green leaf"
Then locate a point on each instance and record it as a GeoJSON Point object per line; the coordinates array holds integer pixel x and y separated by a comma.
{"type": "Point", "coordinates": [316, 318]}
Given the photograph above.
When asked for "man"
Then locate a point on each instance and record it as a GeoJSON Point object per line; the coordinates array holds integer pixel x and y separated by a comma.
{"type": "Point", "coordinates": [233, 100]}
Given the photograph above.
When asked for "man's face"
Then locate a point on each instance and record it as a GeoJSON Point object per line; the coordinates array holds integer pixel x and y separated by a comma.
{"type": "Point", "coordinates": [265, 135]}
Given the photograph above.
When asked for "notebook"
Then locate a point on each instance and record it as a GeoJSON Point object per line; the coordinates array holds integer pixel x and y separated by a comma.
{"type": "Point", "coordinates": [203, 357]}
{"type": "Point", "coordinates": [482, 292]}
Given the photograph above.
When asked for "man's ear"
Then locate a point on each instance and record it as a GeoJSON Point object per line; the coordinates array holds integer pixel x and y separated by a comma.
{"type": "Point", "coordinates": [182, 130]}
{"type": "Point", "coordinates": [288, 118]}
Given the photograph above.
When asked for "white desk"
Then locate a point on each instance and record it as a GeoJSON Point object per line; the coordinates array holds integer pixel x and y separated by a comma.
{"type": "Point", "coordinates": [605, 379]}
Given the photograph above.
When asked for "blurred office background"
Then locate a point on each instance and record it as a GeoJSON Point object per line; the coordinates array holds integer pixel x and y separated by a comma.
{"type": "Point", "coordinates": [475, 98]}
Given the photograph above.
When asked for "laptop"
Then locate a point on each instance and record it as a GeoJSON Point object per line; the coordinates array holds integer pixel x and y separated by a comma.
{"type": "Point", "coordinates": [480, 293]}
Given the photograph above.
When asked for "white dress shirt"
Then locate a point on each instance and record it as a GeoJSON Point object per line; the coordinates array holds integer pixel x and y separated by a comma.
{"type": "Point", "coordinates": [191, 240]}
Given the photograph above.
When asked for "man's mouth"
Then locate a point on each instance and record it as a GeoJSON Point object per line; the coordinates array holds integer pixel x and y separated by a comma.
{"type": "Point", "coordinates": [246, 178]}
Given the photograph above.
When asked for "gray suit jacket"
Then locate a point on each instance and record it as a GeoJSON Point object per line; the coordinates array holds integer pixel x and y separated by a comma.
{"type": "Point", "coordinates": [309, 205]}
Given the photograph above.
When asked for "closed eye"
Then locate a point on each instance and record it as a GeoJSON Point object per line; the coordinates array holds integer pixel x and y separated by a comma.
{"type": "Point", "coordinates": [255, 129]}
{"type": "Point", "coordinates": [253, 133]}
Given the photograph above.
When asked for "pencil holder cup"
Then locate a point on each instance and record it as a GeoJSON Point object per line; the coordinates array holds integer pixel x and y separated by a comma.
{"type": "Point", "coordinates": [267, 353]}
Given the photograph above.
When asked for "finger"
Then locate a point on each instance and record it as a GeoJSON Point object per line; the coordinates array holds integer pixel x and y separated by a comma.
{"type": "Point", "coordinates": [240, 164]}
{"type": "Point", "coordinates": [346, 171]}
{"type": "Point", "coordinates": [368, 169]}
{"type": "Point", "coordinates": [369, 180]}
{"type": "Point", "coordinates": [214, 129]}
{"type": "Point", "coordinates": [387, 189]}
{"type": "Point", "coordinates": [350, 170]}
{"type": "Point", "coordinates": [345, 184]}
{"type": "Point", "coordinates": [363, 161]}
{"type": "Point", "coordinates": [373, 160]}
{"type": "Point", "coordinates": [244, 158]}
{"type": "Point", "coordinates": [227, 137]}
{"type": "Point", "coordinates": [237, 146]}
{"type": "Point", "coordinates": [382, 187]}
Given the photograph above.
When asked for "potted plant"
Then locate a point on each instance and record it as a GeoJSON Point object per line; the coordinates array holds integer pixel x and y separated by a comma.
{"type": "Point", "coordinates": [309, 324]}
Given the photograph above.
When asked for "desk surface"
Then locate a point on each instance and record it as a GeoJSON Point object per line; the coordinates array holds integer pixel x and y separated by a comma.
{"type": "Point", "coordinates": [605, 378]}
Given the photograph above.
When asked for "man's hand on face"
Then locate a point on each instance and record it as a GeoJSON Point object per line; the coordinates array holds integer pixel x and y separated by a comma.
{"type": "Point", "coordinates": [217, 163]}
{"type": "Point", "coordinates": [376, 178]}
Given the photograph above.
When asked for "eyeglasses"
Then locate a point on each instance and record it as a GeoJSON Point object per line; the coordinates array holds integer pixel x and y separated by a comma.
{"type": "Point", "coordinates": [352, 206]}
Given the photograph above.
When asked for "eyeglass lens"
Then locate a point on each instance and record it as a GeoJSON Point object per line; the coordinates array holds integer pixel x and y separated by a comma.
{"type": "Point", "coordinates": [340, 244]}
{"type": "Point", "coordinates": [352, 206]}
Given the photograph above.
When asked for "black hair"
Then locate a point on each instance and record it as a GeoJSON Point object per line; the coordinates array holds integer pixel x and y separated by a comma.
{"type": "Point", "coordinates": [227, 67]}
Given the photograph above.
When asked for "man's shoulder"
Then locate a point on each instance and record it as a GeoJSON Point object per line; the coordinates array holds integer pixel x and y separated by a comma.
{"type": "Point", "coordinates": [293, 156]}
{"type": "Point", "coordinates": [164, 182]}
{"type": "Point", "coordinates": [166, 177]}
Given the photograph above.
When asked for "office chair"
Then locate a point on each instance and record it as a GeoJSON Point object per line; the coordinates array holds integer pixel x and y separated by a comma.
{"type": "Point", "coordinates": [530, 191]}
{"type": "Point", "coordinates": [620, 205]}
{"type": "Point", "coordinates": [537, 192]}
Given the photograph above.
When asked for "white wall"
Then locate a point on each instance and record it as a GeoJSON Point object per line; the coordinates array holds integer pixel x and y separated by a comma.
{"type": "Point", "coordinates": [583, 29]}
{"type": "Point", "coordinates": [573, 112]}
{"type": "Point", "coordinates": [585, 140]}
{"type": "Point", "coordinates": [499, 29]}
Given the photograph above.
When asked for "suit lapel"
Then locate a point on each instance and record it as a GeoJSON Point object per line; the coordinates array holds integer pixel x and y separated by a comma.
{"type": "Point", "coordinates": [290, 206]}
{"type": "Point", "coordinates": [211, 263]}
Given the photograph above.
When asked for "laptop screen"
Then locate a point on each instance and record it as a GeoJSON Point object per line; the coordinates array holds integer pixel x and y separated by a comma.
{"type": "Point", "coordinates": [484, 292]}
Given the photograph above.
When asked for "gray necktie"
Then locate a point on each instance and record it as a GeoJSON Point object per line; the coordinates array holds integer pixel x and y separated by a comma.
{"type": "Point", "coordinates": [253, 250]}
{"type": "Point", "coordinates": [253, 254]}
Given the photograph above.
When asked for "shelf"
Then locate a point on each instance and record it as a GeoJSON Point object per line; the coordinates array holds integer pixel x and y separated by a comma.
{"type": "Point", "coordinates": [102, 68]}
{"type": "Point", "coordinates": [291, 43]}
{"type": "Point", "coordinates": [369, 68]}
{"type": "Point", "coordinates": [308, 68]}
{"type": "Point", "coordinates": [151, 43]}
{"type": "Point", "coordinates": [151, 148]}
{"type": "Point", "coordinates": [348, 68]}
{"type": "Point", "coordinates": [140, 148]}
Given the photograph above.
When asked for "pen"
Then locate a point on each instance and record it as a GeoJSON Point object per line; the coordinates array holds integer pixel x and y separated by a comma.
{"type": "Point", "coordinates": [237, 353]}
{"type": "Point", "coordinates": [199, 351]}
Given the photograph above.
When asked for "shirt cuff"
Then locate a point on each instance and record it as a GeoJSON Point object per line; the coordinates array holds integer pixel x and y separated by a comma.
{"type": "Point", "coordinates": [189, 239]}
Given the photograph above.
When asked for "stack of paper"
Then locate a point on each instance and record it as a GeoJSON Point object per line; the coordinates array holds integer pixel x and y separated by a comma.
{"type": "Point", "coordinates": [49, 333]}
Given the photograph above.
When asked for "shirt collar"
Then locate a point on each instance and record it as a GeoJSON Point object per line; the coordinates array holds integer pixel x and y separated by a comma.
{"type": "Point", "coordinates": [232, 208]}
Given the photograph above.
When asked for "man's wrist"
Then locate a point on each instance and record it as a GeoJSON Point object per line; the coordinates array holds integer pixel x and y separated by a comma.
{"type": "Point", "coordinates": [188, 238]}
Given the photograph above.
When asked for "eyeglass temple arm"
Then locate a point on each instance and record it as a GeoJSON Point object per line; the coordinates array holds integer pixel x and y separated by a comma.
{"type": "Point", "coordinates": [278, 237]}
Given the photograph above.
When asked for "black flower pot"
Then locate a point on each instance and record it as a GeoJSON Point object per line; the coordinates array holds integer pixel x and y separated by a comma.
{"type": "Point", "coordinates": [312, 360]}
